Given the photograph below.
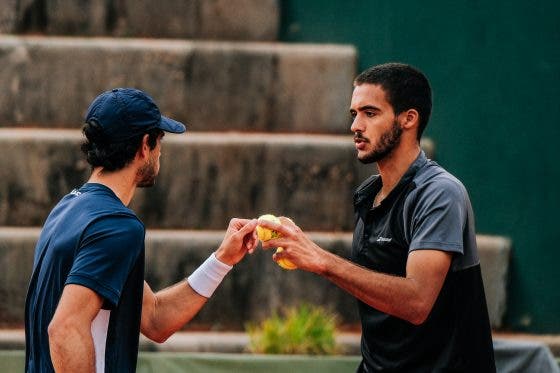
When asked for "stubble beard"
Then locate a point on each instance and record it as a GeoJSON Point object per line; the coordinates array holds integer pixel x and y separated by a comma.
{"type": "Point", "coordinates": [147, 174]}
{"type": "Point", "coordinates": [386, 144]}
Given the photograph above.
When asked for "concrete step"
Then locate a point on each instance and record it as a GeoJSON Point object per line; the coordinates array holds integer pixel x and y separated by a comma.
{"type": "Point", "coordinates": [237, 342]}
{"type": "Point", "coordinates": [191, 341]}
{"type": "Point", "coordinates": [213, 86]}
{"type": "Point", "coordinates": [254, 289]}
{"type": "Point", "coordinates": [191, 19]}
{"type": "Point", "coordinates": [201, 352]}
{"type": "Point", "coordinates": [205, 178]}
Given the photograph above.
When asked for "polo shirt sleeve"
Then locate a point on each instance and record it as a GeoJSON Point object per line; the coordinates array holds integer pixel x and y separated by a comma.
{"type": "Point", "coordinates": [439, 217]}
{"type": "Point", "coordinates": [109, 249]}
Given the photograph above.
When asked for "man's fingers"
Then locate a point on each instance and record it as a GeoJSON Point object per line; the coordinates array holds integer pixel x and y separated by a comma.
{"type": "Point", "coordinates": [247, 229]}
{"type": "Point", "coordinates": [287, 221]}
{"type": "Point", "coordinates": [284, 230]}
{"type": "Point", "coordinates": [243, 225]}
{"type": "Point", "coordinates": [238, 223]}
{"type": "Point", "coordinates": [251, 243]}
{"type": "Point", "coordinates": [249, 226]}
{"type": "Point", "coordinates": [275, 242]}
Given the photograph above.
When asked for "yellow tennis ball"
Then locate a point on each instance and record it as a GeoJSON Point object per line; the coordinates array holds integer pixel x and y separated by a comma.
{"type": "Point", "coordinates": [265, 234]}
{"type": "Point", "coordinates": [285, 263]}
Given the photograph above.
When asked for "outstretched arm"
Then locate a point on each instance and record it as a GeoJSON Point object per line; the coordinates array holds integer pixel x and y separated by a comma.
{"type": "Point", "coordinates": [410, 298]}
{"type": "Point", "coordinates": [165, 312]}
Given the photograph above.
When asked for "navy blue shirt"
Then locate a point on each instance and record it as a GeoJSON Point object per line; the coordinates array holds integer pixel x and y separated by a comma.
{"type": "Point", "coordinates": [90, 239]}
{"type": "Point", "coordinates": [428, 209]}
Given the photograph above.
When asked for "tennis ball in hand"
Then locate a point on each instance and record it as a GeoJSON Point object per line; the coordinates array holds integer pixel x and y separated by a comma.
{"type": "Point", "coordinates": [285, 263]}
{"type": "Point", "coordinates": [266, 234]}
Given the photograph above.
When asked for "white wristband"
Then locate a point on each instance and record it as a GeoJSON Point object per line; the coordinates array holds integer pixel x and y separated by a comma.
{"type": "Point", "coordinates": [206, 278]}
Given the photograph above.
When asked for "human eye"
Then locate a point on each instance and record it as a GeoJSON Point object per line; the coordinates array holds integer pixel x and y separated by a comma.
{"type": "Point", "coordinates": [353, 113]}
{"type": "Point", "coordinates": [369, 113]}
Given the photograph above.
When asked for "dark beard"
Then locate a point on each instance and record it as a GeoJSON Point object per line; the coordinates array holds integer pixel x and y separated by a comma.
{"type": "Point", "coordinates": [147, 175]}
{"type": "Point", "coordinates": [388, 141]}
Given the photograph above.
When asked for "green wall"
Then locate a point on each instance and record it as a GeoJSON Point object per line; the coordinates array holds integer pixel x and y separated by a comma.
{"type": "Point", "coordinates": [495, 71]}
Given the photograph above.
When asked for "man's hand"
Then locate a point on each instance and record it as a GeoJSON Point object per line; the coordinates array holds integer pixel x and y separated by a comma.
{"type": "Point", "coordinates": [297, 246]}
{"type": "Point", "coordinates": [240, 239]}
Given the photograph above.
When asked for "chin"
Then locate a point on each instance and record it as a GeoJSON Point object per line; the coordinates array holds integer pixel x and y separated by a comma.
{"type": "Point", "coordinates": [368, 158]}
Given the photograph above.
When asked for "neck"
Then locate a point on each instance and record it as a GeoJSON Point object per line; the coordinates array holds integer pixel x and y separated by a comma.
{"type": "Point", "coordinates": [393, 167]}
{"type": "Point", "coordinates": [121, 182]}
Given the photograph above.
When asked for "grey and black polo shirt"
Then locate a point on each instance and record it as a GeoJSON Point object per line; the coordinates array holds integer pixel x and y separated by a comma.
{"type": "Point", "coordinates": [428, 209]}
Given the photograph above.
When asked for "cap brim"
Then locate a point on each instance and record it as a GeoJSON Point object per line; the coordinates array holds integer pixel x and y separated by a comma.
{"type": "Point", "coordinates": [170, 125]}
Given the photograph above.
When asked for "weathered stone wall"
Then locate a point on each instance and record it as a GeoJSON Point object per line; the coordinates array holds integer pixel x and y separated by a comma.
{"type": "Point", "coordinates": [209, 85]}
{"type": "Point", "coordinates": [256, 20]}
{"type": "Point", "coordinates": [8, 16]}
{"type": "Point", "coordinates": [253, 290]}
{"type": "Point", "coordinates": [495, 263]}
{"type": "Point", "coordinates": [205, 178]}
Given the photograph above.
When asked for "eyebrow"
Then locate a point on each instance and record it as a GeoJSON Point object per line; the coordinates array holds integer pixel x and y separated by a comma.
{"type": "Point", "coordinates": [367, 107]}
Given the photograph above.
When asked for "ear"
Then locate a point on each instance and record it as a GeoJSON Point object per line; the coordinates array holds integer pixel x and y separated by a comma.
{"type": "Point", "coordinates": [144, 149]}
{"type": "Point", "coordinates": [409, 119]}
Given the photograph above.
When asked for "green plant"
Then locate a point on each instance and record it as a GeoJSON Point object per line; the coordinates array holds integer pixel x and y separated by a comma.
{"type": "Point", "coordinates": [306, 329]}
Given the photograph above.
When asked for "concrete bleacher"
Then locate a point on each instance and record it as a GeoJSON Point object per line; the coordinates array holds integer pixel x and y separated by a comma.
{"type": "Point", "coordinates": [246, 20]}
{"type": "Point", "coordinates": [269, 133]}
{"type": "Point", "coordinates": [211, 85]}
{"type": "Point", "coordinates": [256, 288]}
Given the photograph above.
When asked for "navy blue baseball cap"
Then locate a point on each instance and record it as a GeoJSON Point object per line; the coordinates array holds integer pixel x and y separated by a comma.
{"type": "Point", "coordinates": [124, 113]}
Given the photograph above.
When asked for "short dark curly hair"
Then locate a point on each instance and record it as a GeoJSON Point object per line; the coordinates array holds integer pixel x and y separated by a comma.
{"type": "Point", "coordinates": [113, 156]}
{"type": "Point", "coordinates": [405, 88]}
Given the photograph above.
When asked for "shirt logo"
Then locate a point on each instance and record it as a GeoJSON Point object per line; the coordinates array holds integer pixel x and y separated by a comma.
{"type": "Point", "coordinates": [75, 192]}
{"type": "Point", "coordinates": [384, 239]}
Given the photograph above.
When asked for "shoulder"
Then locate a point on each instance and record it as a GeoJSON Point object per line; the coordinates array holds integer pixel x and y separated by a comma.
{"type": "Point", "coordinates": [435, 189]}
{"type": "Point", "coordinates": [118, 231]}
{"type": "Point", "coordinates": [118, 223]}
{"type": "Point", "coordinates": [433, 180]}
{"type": "Point", "coordinates": [98, 204]}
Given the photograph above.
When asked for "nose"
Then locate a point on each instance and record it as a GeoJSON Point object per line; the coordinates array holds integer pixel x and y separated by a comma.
{"type": "Point", "coordinates": [356, 125]}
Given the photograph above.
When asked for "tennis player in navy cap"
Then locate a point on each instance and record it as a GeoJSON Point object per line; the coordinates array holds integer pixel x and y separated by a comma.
{"type": "Point", "coordinates": [87, 299]}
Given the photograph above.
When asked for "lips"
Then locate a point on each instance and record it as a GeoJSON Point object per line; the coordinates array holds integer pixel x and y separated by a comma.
{"type": "Point", "coordinates": [360, 145]}
{"type": "Point", "coordinates": [360, 142]}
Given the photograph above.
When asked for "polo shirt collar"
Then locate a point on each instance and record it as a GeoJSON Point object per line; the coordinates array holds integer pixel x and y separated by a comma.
{"type": "Point", "coordinates": [373, 185]}
{"type": "Point", "coordinates": [418, 163]}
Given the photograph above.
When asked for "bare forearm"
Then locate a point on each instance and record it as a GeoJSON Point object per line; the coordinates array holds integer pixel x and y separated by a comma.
{"type": "Point", "coordinates": [167, 311]}
{"type": "Point", "coordinates": [71, 350]}
{"type": "Point", "coordinates": [410, 298]}
{"type": "Point", "coordinates": [170, 310]}
{"type": "Point", "coordinates": [397, 296]}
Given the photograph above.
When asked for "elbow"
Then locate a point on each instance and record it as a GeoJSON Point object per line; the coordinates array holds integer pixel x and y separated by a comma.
{"type": "Point", "coordinates": [159, 337]}
{"type": "Point", "coordinates": [417, 320]}
{"type": "Point", "coordinates": [56, 332]}
{"type": "Point", "coordinates": [419, 313]}
{"type": "Point", "coordinates": [156, 335]}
